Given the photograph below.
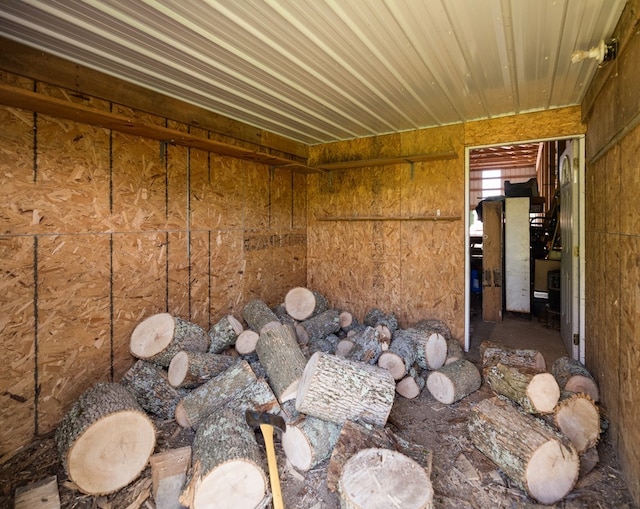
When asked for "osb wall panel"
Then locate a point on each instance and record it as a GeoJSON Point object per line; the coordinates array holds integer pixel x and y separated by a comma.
{"type": "Point", "coordinates": [178, 274]}
{"type": "Point", "coordinates": [630, 183]}
{"type": "Point", "coordinates": [199, 278]}
{"type": "Point", "coordinates": [176, 160]}
{"type": "Point", "coordinates": [227, 273]}
{"type": "Point", "coordinates": [17, 391]}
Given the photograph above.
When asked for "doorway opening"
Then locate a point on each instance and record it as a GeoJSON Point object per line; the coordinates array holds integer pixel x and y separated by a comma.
{"type": "Point", "coordinates": [523, 266]}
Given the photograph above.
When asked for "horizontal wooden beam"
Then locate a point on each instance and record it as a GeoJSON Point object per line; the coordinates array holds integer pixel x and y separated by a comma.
{"type": "Point", "coordinates": [389, 218]}
{"type": "Point", "coordinates": [25, 99]}
{"type": "Point", "coordinates": [386, 161]}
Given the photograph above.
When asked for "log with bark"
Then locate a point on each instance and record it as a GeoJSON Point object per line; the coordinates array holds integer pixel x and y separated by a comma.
{"type": "Point", "coordinates": [572, 376]}
{"type": "Point", "coordinates": [246, 342]}
{"type": "Point", "coordinates": [285, 319]}
{"type": "Point", "coordinates": [347, 321]}
{"type": "Point", "coordinates": [327, 344]}
{"type": "Point", "coordinates": [281, 357]}
{"type": "Point", "coordinates": [191, 369]}
{"type": "Point", "coordinates": [578, 418]}
{"type": "Point", "coordinates": [355, 437]}
{"type": "Point", "coordinates": [223, 334]}
{"type": "Point", "coordinates": [344, 347]}
{"type": "Point", "coordinates": [302, 303]}
{"type": "Point", "coordinates": [309, 441]}
{"type": "Point", "coordinates": [411, 385]}
{"type": "Point", "coordinates": [338, 390]}
{"type": "Point", "coordinates": [258, 316]}
{"type": "Point", "coordinates": [454, 351]}
{"type": "Point", "coordinates": [366, 346]}
{"type": "Point", "coordinates": [491, 353]}
{"type": "Point", "coordinates": [536, 391]}
{"type": "Point", "coordinates": [401, 355]}
{"type": "Point", "coordinates": [434, 326]}
{"type": "Point", "coordinates": [227, 466]}
{"type": "Point", "coordinates": [401, 482]}
{"type": "Point", "coordinates": [431, 348]}
{"type": "Point", "coordinates": [151, 388]}
{"type": "Point", "coordinates": [318, 326]}
{"type": "Point", "coordinates": [385, 323]}
{"type": "Point", "coordinates": [538, 459]}
{"type": "Point", "coordinates": [105, 439]}
{"type": "Point", "coordinates": [159, 337]}
{"type": "Point", "coordinates": [454, 381]}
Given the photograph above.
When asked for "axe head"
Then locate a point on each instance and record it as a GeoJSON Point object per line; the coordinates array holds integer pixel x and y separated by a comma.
{"type": "Point", "coordinates": [255, 419]}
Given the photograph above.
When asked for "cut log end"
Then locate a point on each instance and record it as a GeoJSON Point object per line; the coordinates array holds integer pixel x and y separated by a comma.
{"type": "Point", "coordinates": [300, 303]}
{"type": "Point", "coordinates": [551, 473]}
{"type": "Point", "coordinates": [297, 448]}
{"type": "Point", "coordinates": [543, 391]}
{"type": "Point", "coordinates": [584, 385]}
{"type": "Point", "coordinates": [178, 368]}
{"type": "Point", "coordinates": [393, 363]}
{"type": "Point", "coordinates": [181, 416]}
{"type": "Point", "coordinates": [246, 342]}
{"type": "Point", "coordinates": [346, 319]}
{"type": "Point", "coordinates": [408, 388]}
{"type": "Point", "coordinates": [578, 418]}
{"type": "Point", "coordinates": [239, 483]}
{"type": "Point", "coordinates": [152, 335]}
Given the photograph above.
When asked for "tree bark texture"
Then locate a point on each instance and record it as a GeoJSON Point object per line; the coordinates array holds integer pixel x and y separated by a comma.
{"type": "Point", "coordinates": [401, 355]}
{"type": "Point", "coordinates": [302, 303]}
{"type": "Point", "coordinates": [431, 348]}
{"type": "Point", "coordinates": [434, 326]}
{"type": "Point", "coordinates": [338, 390]}
{"type": "Point", "coordinates": [224, 334]}
{"type": "Point", "coordinates": [159, 337]}
{"type": "Point", "coordinates": [491, 353]}
{"type": "Point", "coordinates": [258, 315]}
{"type": "Point", "coordinates": [318, 326]}
{"type": "Point", "coordinates": [535, 391]}
{"type": "Point", "coordinates": [151, 388]}
{"type": "Point", "coordinates": [328, 344]}
{"type": "Point", "coordinates": [366, 346]}
{"type": "Point", "coordinates": [534, 456]}
{"type": "Point", "coordinates": [375, 317]}
{"type": "Point", "coordinates": [309, 441]}
{"type": "Point", "coordinates": [572, 376]}
{"type": "Point", "coordinates": [280, 354]}
{"type": "Point", "coordinates": [105, 439]}
{"type": "Point", "coordinates": [454, 381]}
{"type": "Point", "coordinates": [191, 369]}
{"type": "Point", "coordinates": [454, 351]}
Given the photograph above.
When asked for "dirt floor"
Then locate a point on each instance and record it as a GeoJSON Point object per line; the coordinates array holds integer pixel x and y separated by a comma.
{"type": "Point", "coordinates": [462, 476]}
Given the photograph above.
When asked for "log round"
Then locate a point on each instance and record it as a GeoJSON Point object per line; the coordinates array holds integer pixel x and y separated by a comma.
{"type": "Point", "coordinates": [309, 442]}
{"type": "Point", "coordinates": [337, 390]}
{"type": "Point", "coordinates": [227, 465]}
{"type": "Point", "coordinates": [151, 388]}
{"type": "Point", "coordinates": [223, 334]}
{"type": "Point", "coordinates": [572, 376]}
{"type": "Point", "coordinates": [579, 420]}
{"type": "Point", "coordinates": [328, 344]}
{"type": "Point", "coordinates": [401, 355]}
{"type": "Point", "coordinates": [434, 325]}
{"type": "Point", "coordinates": [159, 337]}
{"type": "Point", "coordinates": [246, 342]}
{"type": "Point", "coordinates": [366, 346]}
{"type": "Point", "coordinates": [401, 482]}
{"type": "Point", "coordinates": [344, 347]}
{"type": "Point", "coordinates": [105, 439]}
{"type": "Point", "coordinates": [318, 326]}
{"type": "Point", "coordinates": [191, 369]}
{"type": "Point", "coordinates": [411, 385]}
{"type": "Point", "coordinates": [491, 353]}
{"type": "Point", "coordinates": [258, 315]}
{"type": "Point", "coordinates": [454, 351]}
{"type": "Point", "coordinates": [431, 348]}
{"type": "Point", "coordinates": [302, 303]}
{"type": "Point", "coordinates": [454, 381]}
{"type": "Point", "coordinates": [375, 317]}
{"type": "Point", "coordinates": [534, 456]}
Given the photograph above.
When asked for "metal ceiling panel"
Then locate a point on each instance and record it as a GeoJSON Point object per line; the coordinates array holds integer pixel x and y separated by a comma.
{"type": "Point", "coordinates": [317, 71]}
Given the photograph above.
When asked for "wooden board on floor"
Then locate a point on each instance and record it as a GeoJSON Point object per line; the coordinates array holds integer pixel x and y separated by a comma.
{"type": "Point", "coordinates": [39, 495]}
{"type": "Point", "coordinates": [492, 262]}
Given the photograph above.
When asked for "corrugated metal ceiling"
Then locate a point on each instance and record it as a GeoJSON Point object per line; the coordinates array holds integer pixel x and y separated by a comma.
{"type": "Point", "coordinates": [317, 71]}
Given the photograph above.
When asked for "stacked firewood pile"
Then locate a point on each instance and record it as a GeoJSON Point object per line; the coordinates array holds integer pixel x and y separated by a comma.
{"type": "Point", "coordinates": [334, 381]}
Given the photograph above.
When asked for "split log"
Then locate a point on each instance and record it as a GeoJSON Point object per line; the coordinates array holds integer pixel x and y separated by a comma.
{"type": "Point", "coordinates": [105, 439]}
{"type": "Point", "coordinates": [536, 391]}
{"type": "Point", "coordinates": [224, 334]}
{"type": "Point", "coordinates": [491, 353]}
{"type": "Point", "coordinates": [572, 376]}
{"type": "Point", "coordinates": [168, 474]}
{"type": "Point", "coordinates": [539, 460]}
{"type": "Point", "coordinates": [401, 355]}
{"type": "Point", "coordinates": [191, 369]}
{"type": "Point", "coordinates": [246, 342]}
{"type": "Point", "coordinates": [258, 316]}
{"type": "Point", "coordinates": [227, 465]}
{"type": "Point", "coordinates": [434, 326]}
{"type": "Point", "coordinates": [411, 385]}
{"type": "Point", "coordinates": [366, 346]}
{"type": "Point", "coordinates": [327, 344]}
{"type": "Point", "coordinates": [159, 337]}
{"type": "Point", "coordinates": [385, 323]}
{"type": "Point", "coordinates": [151, 388]}
{"type": "Point", "coordinates": [309, 441]}
{"type": "Point", "coordinates": [401, 481]}
{"type": "Point", "coordinates": [302, 303]}
{"type": "Point", "coordinates": [318, 326]}
{"type": "Point", "coordinates": [338, 390]}
{"type": "Point", "coordinates": [355, 437]}
{"type": "Point", "coordinates": [41, 494]}
{"type": "Point", "coordinates": [579, 420]}
{"type": "Point", "coordinates": [454, 381]}
{"type": "Point", "coordinates": [213, 395]}
{"type": "Point", "coordinates": [454, 351]}
{"type": "Point", "coordinates": [280, 354]}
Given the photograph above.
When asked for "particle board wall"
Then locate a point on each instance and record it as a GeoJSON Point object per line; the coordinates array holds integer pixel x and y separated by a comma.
{"type": "Point", "coordinates": [101, 229]}
{"type": "Point", "coordinates": [612, 112]}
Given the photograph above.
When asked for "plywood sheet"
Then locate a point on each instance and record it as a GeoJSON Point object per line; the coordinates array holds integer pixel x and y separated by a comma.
{"type": "Point", "coordinates": [612, 190]}
{"type": "Point", "coordinates": [280, 198]}
{"type": "Point", "coordinates": [227, 273]}
{"type": "Point", "coordinates": [200, 276]}
{"type": "Point", "coordinates": [74, 340]}
{"type": "Point", "coordinates": [255, 182]}
{"type": "Point", "coordinates": [177, 168]}
{"type": "Point", "coordinates": [299, 205]}
{"type": "Point", "coordinates": [17, 391]}
{"type": "Point", "coordinates": [178, 271]}
{"type": "Point", "coordinates": [630, 187]}
{"type": "Point", "coordinates": [435, 140]}
{"type": "Point", "coordinates": [373, 147]}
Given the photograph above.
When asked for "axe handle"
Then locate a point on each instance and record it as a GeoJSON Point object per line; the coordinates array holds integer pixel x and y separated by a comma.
{"type": "Point", "coordinates": [267, 433]}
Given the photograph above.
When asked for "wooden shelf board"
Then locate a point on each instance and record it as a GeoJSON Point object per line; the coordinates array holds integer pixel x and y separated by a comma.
{"type": "Point", "coordinates": [389, 218]}
{"type": "Point", "coordinates": [362, 163]}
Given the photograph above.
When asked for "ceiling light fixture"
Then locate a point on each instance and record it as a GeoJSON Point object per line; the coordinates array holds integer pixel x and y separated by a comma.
{"type": "Point", "coordinates": [605, 51]}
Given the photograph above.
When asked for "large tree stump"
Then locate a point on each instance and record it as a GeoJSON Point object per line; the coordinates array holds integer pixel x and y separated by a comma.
{"type": "Point", "coordinates": [366, 346]}
{"type": "Point", "coordinates": [281, 357]}
{"type": "Point", "coordinates": [246, 341]}
{"type": "Point", "coordinates": [151, 388]}
{"type": "Point", "coordinates": [355, 437]}
{"type": "Point", "coordinates": [454, 351]}
{"type": "Point", "coordinates": [536, 458]}
{"type": "Point", "coordinates": [535, 391]}
{"type": "Point", "coordinates": [214, 394]}
{"type": "Point", "coordinates": [302, 303]}
{"type": "Point", "coordinates": [191, 369]}
{"type": "Point", "coordinates": [318, 326]}
{"type": "Point", "coordinates": [224, 333]}
{"type": "Point", "coordinates": [454, 381]}
{"type": "Point", "coordinates": [411, 385]}
{"type": "Point", "coordinates": [572, 376]}
{"type": "Point", "coordinates": [258, 316]}
{"type": "Point", "coordinates": [159, 337]}
{"type": "Point", "coordinates": [385, 323]}
{"type": "Point", "coordinates": [491, 353]}
{"type": "Point", "coordinates": [227, 465]}
{"type": "Point", "coordinates": [338, 390]}
{"type": "Point", "coordinates": [579, 420]}
{"type": "Point", "coordinates": [309, 441]}
{"type": "Point", "coordinates": [401, 355]}
{"type": "Point", "coordinates": [105, 439]}
{"type": "Point", "coordinates": [381, 478]}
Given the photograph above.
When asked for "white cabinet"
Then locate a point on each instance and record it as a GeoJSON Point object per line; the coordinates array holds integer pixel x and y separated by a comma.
{"type": "Point", "coordinates": [517, 257]}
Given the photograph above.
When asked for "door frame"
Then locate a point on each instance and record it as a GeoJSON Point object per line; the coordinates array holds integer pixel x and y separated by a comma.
{"type": "Point", "coordinates": [578, 299]}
